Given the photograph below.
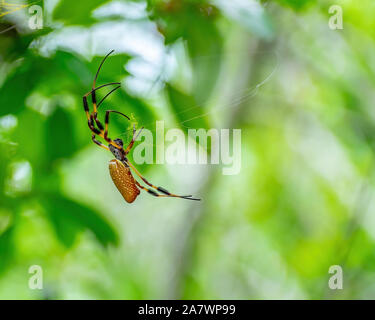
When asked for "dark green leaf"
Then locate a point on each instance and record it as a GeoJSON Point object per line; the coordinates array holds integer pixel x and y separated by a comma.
{"type": "Point", "coordinates": [69, 218]}
{"type": "Point", "coordinates": [15, 44]}
{"type": "Point", "coordinates": [59, 135]}
{"type": "Point", "coordinates": [12, 99]}
{"type": "Point", "coordinates": [6, 248]}
{"type": "Point", "coordinates": [5, 153]}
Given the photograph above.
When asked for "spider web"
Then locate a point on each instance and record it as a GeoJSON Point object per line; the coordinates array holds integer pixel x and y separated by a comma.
{"type": "Point", "coordinates": [236, 98]}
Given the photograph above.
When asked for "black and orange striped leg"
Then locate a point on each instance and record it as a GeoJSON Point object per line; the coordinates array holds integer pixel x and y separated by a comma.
{"type": "Point", "coordinates": [93, 94]}
{"type": "Point", "coordinates": [95, 114]}
{"type": "Point", "coordinates": [99, 143]}
{"type": "Point", "coordinates": [155, 194]}
{"type": "Point", "coordinates": [150, 191]}
{"type": "Point", "coordinates": [92, 117]}
{"type": "Point", "coordinates": [165, 192]}
{"type": "Point", "coordinates": [93, 90]}
{"type": "Point", "coordinates": [135, 136]}
{"type": "Point", "coordinates": [106, 122]}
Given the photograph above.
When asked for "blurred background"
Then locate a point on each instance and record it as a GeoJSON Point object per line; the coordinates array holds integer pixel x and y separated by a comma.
{"type": "Point", "coordinates": [301, 93]}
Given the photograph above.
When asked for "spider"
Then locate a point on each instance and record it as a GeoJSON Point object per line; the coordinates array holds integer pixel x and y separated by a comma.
{"type": "Point", "coordinates": [119, 168]}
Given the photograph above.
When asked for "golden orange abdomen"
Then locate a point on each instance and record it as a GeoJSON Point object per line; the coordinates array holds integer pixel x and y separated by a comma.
{"type": "Point", "coordinates": [123, 180]}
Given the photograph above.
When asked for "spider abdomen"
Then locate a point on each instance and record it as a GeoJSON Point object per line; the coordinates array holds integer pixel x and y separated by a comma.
{"type": "Point", "coordinates": [123, 180]}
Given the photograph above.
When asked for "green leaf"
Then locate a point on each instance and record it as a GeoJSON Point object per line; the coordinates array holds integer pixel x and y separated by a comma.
{"type": "Point", "coordinates": [12, 99]}
{"type": "Point", "coordinates": [295, 4]}
{"type": "Point", "coordinates": [112, 70]}
{"type": "Point", "coordinates": [58, 74]}
{"type": "Point", "coordinates": [69, 218]}
{"type": "Point", "coordinates": [6, 248]}
{"type": "Point", "coordinates": [29, 135]}
{"type": "Point", "coordinates": [195, 22]}
{"type": "Point", "coordinates": [59, 135]}
{"type": "Point", "coordinates": [141, 111]}
{"type": "Point", "coordinates": [5, 153]}
{"type": "Point", "coordinates": [74, 12]}
{"type": "Point", "coordinates": [205, 50]}
{"type": "Point", "coordinates": [15, 45]}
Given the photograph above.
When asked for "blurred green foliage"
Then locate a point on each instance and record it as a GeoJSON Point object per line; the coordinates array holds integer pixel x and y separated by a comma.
{"type": "Point", "coordinates": [300, 92]}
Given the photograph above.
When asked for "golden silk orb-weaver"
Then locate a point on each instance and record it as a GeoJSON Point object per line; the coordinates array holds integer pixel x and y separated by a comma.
{"type": "Point", "coordinates": [120, 167]}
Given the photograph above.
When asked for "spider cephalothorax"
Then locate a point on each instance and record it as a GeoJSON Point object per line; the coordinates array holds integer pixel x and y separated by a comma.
{"type": "Point", "coordinates": [118, 152]}
{"type": "Point", "coordinates": [119, 168]}
{"type": "Point", "coordinates": [119, 142]}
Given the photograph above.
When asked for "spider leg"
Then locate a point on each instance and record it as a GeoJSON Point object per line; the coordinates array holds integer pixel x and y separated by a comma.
{"type": "Point", "coordinates": [99, 143]}
{"type": "Point", "coordinates": [150, 191]}
{"type": "Point", "coordinates": [93, 116]}
{"type": "Point", "coordinates": [98, 123]}
{"type": "Point", "coordinates": [106, 122]}
{"type": "Point", "coordinates": [133, 139]}
{"type": "Point", "coordinates": [93, 95]}
{"type": "Point", "coordinates": [113, 90]}
{"type": "Point", "coordinates": [160, 189]}
{"type": "Point", "coordinates": [92, 92]}
{"type": "Point", "coordinates": [100, 66]}
{"type": "Point", "coordinates": [155, 194]}
{"type": "Point", "coordinates": [101, 130]}
{"type": "Point", "coordinates": [95, 105]}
